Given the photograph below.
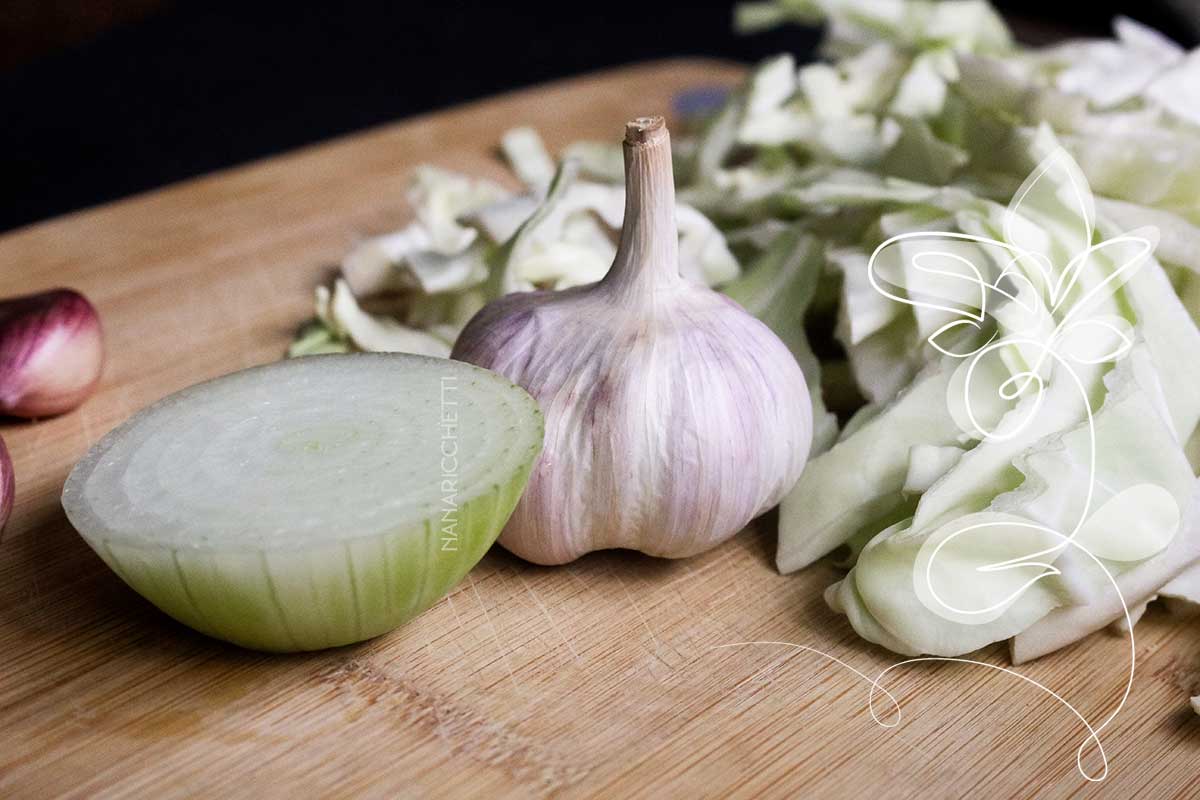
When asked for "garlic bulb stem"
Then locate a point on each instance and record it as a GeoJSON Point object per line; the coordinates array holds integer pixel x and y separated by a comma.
{"type": "Point", "coordinates": [647, 260]}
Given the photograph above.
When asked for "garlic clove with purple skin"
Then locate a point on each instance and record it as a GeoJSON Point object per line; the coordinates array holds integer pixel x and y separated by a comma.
{"type": "Point", "coordinates": [51, 353]}
{"type": "Point", "coordinates": [8, 485]}
{"type": "Point", "coordinates": [673, 417]}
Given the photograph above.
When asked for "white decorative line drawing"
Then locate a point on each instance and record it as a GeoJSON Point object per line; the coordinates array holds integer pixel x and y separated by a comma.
{"type": "Point", "coordinates": [1048, 328]}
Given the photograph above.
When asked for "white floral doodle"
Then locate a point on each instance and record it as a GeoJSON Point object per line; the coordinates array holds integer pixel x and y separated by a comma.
{"type": "Point", "coordinates": [1018, 313]}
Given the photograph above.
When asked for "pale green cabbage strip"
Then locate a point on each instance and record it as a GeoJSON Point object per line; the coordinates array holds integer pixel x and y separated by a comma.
{"type": "Point", "coordinates": [927, 116]}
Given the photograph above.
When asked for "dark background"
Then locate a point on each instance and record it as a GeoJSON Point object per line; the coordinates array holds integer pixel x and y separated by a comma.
{"type": "Point", "coordinates": [103, 98]}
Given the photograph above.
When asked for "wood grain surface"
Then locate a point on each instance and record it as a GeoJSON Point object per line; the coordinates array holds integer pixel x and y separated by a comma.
{"type": "Point", "coordinates": [611, 677]}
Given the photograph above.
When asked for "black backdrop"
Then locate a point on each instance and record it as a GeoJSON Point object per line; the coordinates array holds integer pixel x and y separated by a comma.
{"type": "Point", "coordinates": [195, 86]}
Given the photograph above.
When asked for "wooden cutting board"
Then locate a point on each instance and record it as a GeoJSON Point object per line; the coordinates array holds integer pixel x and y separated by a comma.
{"type": "Point", "coordinates": [611, 677]}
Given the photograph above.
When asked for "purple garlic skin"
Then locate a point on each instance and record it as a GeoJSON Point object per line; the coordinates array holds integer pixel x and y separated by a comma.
{"type": "Point", "coordinates": [673, 417]}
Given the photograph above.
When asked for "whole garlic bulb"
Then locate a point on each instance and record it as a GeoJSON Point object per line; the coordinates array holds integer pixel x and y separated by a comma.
{"type": "Point", "coordinates": [673, 417]}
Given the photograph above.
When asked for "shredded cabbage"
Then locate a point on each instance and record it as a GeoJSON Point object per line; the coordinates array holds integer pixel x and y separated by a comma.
{"type": "Point", "coordinates": [473, 241]}
{"type": "Point", "coordinates": [938, 117]}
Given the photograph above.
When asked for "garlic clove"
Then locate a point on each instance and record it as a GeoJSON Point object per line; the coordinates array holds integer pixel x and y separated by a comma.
{"type": "Point", "coordinates": [8, 485]}
{"type": "Point", "coordinates": [51, 353]}
{"type": "Point", "coordinates": [673, 417]}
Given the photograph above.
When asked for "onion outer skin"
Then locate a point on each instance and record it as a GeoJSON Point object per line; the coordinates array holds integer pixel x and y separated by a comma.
{"type": "Point", "coordinates": [313, 598]}
{"type": "Point", "coordinates": [51, 353]}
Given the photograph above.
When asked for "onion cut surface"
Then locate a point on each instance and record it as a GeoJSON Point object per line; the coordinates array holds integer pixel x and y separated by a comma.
{"type": "Point", "coordinates": [308, 503]}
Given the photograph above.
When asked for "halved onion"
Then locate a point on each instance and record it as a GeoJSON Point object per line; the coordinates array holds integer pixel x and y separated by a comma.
{"type": "Point", "coordinates": [308, 503]}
